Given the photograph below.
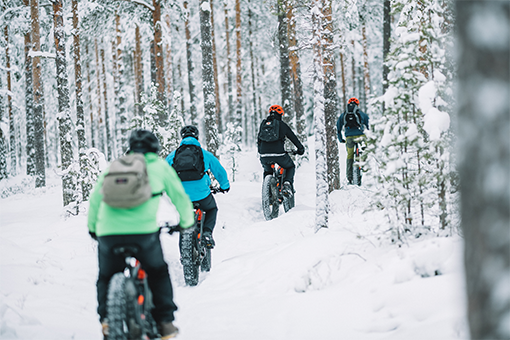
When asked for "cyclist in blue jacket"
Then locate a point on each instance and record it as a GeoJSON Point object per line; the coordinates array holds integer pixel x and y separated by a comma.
{"type": "Point", "coordinates": [199, 190]}
{"type": "Point", "coordinates": [354, 131]}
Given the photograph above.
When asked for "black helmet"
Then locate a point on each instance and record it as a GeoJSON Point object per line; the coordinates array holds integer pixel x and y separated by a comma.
{"type": "Point", "coordinates": [143, 141]}
{"type": "Point", "coordinates": [189, 131]}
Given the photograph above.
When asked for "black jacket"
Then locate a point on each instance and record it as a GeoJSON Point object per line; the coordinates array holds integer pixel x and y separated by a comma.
{"type": "Point", "coordinates": [278, 147]}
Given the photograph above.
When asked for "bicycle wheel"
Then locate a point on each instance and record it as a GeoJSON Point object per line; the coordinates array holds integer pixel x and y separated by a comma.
{"type": "Point", "coordinates": [270, 204]}
{"type": "Point", "coordinates": [116, 308]}
{"type": "Point", "coordinates": [356, 169]}
{"type": "Point", "coordinates": [189, 258]}
{"type": "Point", "coordinates": [288, 203]}
{"type": "Point", "coordinates": [206, 261]}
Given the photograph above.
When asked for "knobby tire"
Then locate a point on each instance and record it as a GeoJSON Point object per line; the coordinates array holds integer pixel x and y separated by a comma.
{"type": "Point", "coordinates": [270, 204]}
{"type": "Point", "coordinates": [288, 203]}
{"type": "Point", "coordinates": [116, 308]}
{"type": "Point", "coordinates": [206, 262]}
{"type": "Point", "coordinates": [189, 258]}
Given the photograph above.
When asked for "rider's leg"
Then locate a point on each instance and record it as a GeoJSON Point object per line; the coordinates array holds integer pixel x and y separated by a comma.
{"type": "Point", "coordinates": [209, 207]}
{"type": "Point", "coordinates": [266, 165]}
{"type": "Point", "coordinates": [349, 145]}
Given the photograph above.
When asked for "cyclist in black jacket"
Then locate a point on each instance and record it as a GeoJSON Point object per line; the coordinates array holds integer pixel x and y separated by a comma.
{"type": "Point", "coordinates": [274, 151]}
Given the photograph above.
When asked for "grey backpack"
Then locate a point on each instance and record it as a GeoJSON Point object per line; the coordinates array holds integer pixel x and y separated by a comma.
{"type": "Point", "coordinates": [127, 184]}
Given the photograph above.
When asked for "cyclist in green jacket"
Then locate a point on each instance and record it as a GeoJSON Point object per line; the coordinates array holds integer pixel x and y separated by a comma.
{"type": "Point", "coordinates": [138, 225]}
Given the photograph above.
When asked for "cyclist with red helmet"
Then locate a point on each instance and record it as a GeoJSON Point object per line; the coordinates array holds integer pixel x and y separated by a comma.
{"type": "Point", "coordinates": [271, 146]}
{"type": "Point", "coordinates": [352, 121]}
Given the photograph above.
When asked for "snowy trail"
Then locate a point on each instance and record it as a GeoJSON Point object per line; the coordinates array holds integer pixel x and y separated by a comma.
{"type": "Point", "coordinates": [270, 279]}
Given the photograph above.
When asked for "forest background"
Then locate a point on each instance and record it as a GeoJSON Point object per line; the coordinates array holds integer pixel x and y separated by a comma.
{"type": "Point", "coordinates": [77, 76]}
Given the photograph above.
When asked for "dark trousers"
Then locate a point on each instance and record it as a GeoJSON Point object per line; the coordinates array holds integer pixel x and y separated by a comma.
{"type": "Point", "coordinates": [284, 161]}
{"type": "Point", "coordinates": [150, 256]}
{"type": "Point", "coordinates": [208, 205]}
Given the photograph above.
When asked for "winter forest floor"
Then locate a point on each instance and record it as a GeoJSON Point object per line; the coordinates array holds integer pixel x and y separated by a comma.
{"type": "Point", "coordinates": [274, 279]}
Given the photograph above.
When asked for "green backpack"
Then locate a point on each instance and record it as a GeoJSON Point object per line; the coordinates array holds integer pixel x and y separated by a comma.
{"type": "Point", "coordinates": [127, 184]}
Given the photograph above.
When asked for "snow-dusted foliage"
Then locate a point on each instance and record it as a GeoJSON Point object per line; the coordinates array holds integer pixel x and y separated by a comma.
{"type": "Point", "coordinates": [411, 143]}
{"type": "Point", "coordinates": [231, 148]}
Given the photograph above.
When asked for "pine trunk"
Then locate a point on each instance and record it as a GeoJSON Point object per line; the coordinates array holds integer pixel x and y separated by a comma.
{"type": "Point", "coordinates": [295, 70]}
{"type": "Point", "coordinates": [12, 130]}
{"type": "Point", "coordinates": [485, 160]}
{"type": "Point", "coordinates": [29, 102]}
{"type": "Point", "coordinates": [89, 97]}
{"type": "Point", "coordinates": [168, 61]}
{"type": "Point", "coordinates": [386, 41]}
{"type": "Point", "coordinates": [330, 100]}
{"type": "Point", "coordinates": [285, 80]}
{"type": "Point", "coordinates": [3, 141]}
{"type": "Point", "coordinates": [189, 57]}
{"type": "Point", "coordinates": [158, 58]}
{"type": "Point", "coordinates": [100, 131]}
{"type": "Point", "coordinates": [321, 173]}
{"type": "Point", "coordinates": [239, 77]}
{"type": "Point", "coordinates": [109, 139]}
{"type": "Point", "coordinates": [252, 69]}
{"type": "Point", "coordinates": [229, 70]}
{"type": "Point", "coordinates": [366, 68]}
{"type": "Point", "coordinates": [211, 131]}
{"type": "Point", "coordinates": [80, 117]}
{"type": "Point", "coordinates": [343, 103]}
{"type": "Point", "coordinates": [138, 71]}
{"type": "Point", "coordinates": [64, 114]}
{"type": "Point", "coordinates": [215, 68]}
{"type": "Point", "coordinates": [39, 130]}
{"type": "Point", "coordinates": [120, 95]}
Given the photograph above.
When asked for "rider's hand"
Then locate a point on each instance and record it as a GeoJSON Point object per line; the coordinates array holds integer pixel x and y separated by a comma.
{"type": "Point", "coordinates": [342, 140]}
{"type": "Point", "coordinates": [174, 229]}
{"type": "Point", "coordinates": [224, 190]}
{"type": "Point", "coordinates": [93, 235]}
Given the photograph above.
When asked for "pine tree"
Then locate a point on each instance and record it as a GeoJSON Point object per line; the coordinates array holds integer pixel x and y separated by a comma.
{"type": "Point", "coordinates": [189, 58]}
{"type": "Point", "coordinates": [29, 101]}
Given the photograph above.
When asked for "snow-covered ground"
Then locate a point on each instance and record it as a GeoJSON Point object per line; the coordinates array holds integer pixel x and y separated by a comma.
{"type": "Point", "coordinates": [269, 280]}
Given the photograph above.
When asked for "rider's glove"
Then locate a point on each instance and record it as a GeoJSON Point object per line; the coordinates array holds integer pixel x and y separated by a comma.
{"type": "Point", "coordinates": [174, 229]}
{"type": "Point", "coordinates": [342, 140]}
{"type": "Point", "coordinates": [224, 190]}
{"type": "Point", "coordinates": [93, 235]}
{"type": "Point", "coordinates": [300, 151]}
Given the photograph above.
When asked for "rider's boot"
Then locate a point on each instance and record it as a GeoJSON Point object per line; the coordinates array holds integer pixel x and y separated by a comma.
{"type": "Point", "coordinates": [208, 239]}
{"type": "Point", "coordinates": [168, 330]}
{"type": "Point", "coordinates": [104, 325]}
{"type": "Point", "coordinates": [287, 189]}
{"type": "Point", "coordinates": [350, 164]}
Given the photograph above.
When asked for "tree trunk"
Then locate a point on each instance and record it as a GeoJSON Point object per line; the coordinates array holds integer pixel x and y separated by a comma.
{"type": "Point", "coordinates": [3, 144]}
{"type": "Point", "coordinates": [321, 175]}
{"type": "Point", "coordinates": [285, 80]}
{"type": "Point", "coordinates": [109, 139]}
{"type": "Point", "coordinates": [229, 70]}
{"type": "Point", "coordinates": [252, 68]}
{"type": "Point", "coordinates": [330, 100]}
{"type": "Point", "coordinates": [138, 71]}
{"type": "Point", "coordinates": [158, 58]}
{"type": "Point", "coordinates": [64, 114]}
{"type": "Point", "coordinates": [89, 97]}
{"type": "Point", "coordinates": [168, 60]}
{"type": "Point", "coordinates": [295, 69]}
{"type": "Point", "coordinates": [239, 76]}
{"type": "Point", "coordinates": [120, 94]}
{"type": "Point", "coordinates": [191, 81]}
{"type": "Point", "coordinates": [12, 131]}
{"type": "Point", "coordinates": [100, 132]}
{"type": "Point", "coordinates": [80, 118]}
{"type": "Point", "coordinates": [485, 162]}
{"type": "Point", "coordinates": [386, 41]}
{"type": "Point", "coordinates": [211, 131]}
{"type": "Point", "coordinates": [343, 103]}
{"type": "Point", "coordinates": [215, 67]}
{"type": "Point", "coordinates": [366, 68]}
{"type": "Point", "coordinates": [29, 102]}
{"type": "Point", "coordinates": [39, 131]}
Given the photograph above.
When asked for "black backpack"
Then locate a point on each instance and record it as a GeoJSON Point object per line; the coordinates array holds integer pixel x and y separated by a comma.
{"type": "Point", "coordinates": [189, 162]}
{"type": "Point", "coordinates": [269, 130]}
{"type": "Point", "coordinates": [352, 117]}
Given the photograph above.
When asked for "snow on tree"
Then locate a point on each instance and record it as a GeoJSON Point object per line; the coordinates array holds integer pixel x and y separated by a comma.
{"type": "Point", "coordinates": [483, 126]}
{"type": "Point", "coordinates": [231, 147]}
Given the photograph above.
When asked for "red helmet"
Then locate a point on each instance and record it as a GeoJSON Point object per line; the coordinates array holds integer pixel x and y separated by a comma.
{"type": "Point", "coordinates": [353, 100]}
{"type": "Point", "coordinates": [276, 108]}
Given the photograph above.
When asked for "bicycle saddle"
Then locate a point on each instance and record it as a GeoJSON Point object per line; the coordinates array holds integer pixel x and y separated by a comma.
{"type": "Point", "coordinates": [126, 250]}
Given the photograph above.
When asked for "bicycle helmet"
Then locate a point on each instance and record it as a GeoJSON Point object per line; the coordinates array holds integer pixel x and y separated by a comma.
{"type": "Point", "coordinates": [189, 131]}
{"type": "Point", "coordinates": [276, 109]}
{"type": "Point", "coordinates": [353, 100]}
{"type": "Point", "coordinates": [143, 141]}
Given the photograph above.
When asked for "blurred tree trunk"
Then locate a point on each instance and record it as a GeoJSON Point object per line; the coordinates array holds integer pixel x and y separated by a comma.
{"type": "Point", "coordinates": [366, 67]}
{"type": "Point", "coordinates": [484, 168]}
{"type": "Point", "coordinates": [330, 99]}
{"type": "Point", "coordinates": [64, 114]}
{"type": "Point", "coordinates": [252, 70]}
{"type": "Point", "coordinates": [109, 137]}
{"type": "Point", "coordinates": [295, 71]}
{"type": "Point", "coordinates": [344, 85]}
{"type": "Point", "coordinates": [39, 129]}
{"type": "Point", "coordinates": [80, 118]}
{"type": "Point", "coordinates": [215, 68]}
{"type": "Point", "coordinates": [229, 70]}
{"type": "Point", "coordinates": [100, 132]}
{"type": "Point", "coordinates": [89, 96]}
{"type": "Point", "coordinates": [285, 79]}
{"type": "Point", "coordinates": [211, 131]}
{"type": "Point", "coordinates": [168, 60]}
{"type": "Point", "coordinates": [239, 77]}
{"type": "Point", "coordinates": [159, 61]}
{"type": "Point", "coordinates": [29, 102]}
{"type": "Point", "coordinates": [120, 94]}
{"type": "Point", "coordinates": [12, 130]}
{"type": "Point", "coordinates": [138, 71]}
{"type": "Point", "coordinates": [386, 41]}
{"type": "Point", "coordinates": [3, 141]}
{"type": "Point", "coordinates": [191, 80]}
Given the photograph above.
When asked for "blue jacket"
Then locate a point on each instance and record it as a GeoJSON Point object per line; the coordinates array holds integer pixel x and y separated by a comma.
{"type": "Point", "coordinates": [199, 189]}
{"type": "Point", "coordinates": [350, 131]}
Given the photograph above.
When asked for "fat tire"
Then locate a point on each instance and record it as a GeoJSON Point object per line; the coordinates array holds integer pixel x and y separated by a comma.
{"type": "Point", "coordinates": [116, 308]}
{"type": "Point", "coordinates": [206, 261]}
{"type": "Point", "coordinates": [270, 204]}
{"type": "Point", "coordinates": [288, 203]}
{"type": "Point", "coordinates": [189, 258]}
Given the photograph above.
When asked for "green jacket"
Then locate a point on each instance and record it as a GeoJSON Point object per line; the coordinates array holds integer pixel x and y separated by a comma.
{"type": "Point", "coordinates": [105, 220]}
